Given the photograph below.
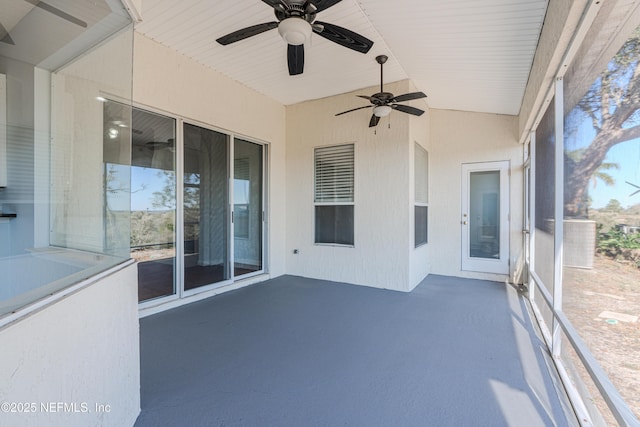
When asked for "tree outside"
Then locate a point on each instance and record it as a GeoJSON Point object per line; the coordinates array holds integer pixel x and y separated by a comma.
{"type": "Point", "coordinates": [611, 107]}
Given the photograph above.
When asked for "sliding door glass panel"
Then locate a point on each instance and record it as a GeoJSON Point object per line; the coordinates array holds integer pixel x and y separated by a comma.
{"type": "Point", "coordinates": [247, 207]}
{"type": "Point", "coordinates": [206, 207]}
{"type": "Point", "coordinates": [484, 214]}
{"type": "Point", "coordinates": [153, 203]}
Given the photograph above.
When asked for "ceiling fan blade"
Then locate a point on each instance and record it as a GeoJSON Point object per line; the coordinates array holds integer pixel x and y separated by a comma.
{"type": "Point", "coordinates": [370, 98]}
{"type": "Point", "coordinates": [4, 36]}
{"type": "Point", "coordinates": [354, 109]}
{"type": "Point", "coordinates": [295, 59]}
{"type": "Point", "coordinates": [324, 4]}
{"type": "Point", "coordinates": [244, 33]}
{"type": "Point", "coordinates": [276, 4]}
{"type": "Point", "coordinates": [280, 6]}
{"type": "Point", "coordinates": [344, 37]}
{"type": "Point", "coordinates": [408, 97]}
{"type": "Point", "coordinates": [374, 121]}
{"type": "Point", "coordinates": [407, 109]}
{"type": "Point", "coordinates": [60, 13]}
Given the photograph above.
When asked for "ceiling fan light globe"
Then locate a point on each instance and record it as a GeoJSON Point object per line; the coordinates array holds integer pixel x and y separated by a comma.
{"type": "Point", "coordinates": [295, 31]}
{"type": "Point", "coordinates": [381, 110]}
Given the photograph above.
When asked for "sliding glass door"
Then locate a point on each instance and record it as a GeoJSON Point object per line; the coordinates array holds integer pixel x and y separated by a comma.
{"type": "Point", "coordinates": [153, 203]}
{"type": "Point", "coordinates": [206, 207]}
{"type": "Point", "coordinates": [247, 207]}
{"type": "Point", "coordinates": [197, 203]}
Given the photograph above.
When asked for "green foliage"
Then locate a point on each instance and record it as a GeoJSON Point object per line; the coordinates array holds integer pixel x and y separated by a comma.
{"type": "Point", "coordinates": [618, 245]}
{"type": "Point", "coordinates": [614, 205]}
{"type": "Point", "coordinates": [152, 227]}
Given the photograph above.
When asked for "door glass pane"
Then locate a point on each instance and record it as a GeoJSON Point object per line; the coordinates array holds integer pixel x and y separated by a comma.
{"type": "Point", "coordinates": [484, 215]}
{"type": "Point", "coordinates": [206, 210]}
{"type": "Point", "coordinates": [153, 203]}
{"type": "Point", "coordinates": [247, 207]}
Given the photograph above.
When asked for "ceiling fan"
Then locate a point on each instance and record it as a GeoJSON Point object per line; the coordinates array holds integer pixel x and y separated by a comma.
{"type": "Point", "coordinates": [383, 102]}
{"type": "Point", "coordinates": [295, 23]}
{"type": "Point", "coordinates": [5, 37]}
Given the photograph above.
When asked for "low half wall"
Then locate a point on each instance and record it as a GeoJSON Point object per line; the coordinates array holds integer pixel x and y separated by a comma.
{"type": "Point", "coordinates": [75, 362]}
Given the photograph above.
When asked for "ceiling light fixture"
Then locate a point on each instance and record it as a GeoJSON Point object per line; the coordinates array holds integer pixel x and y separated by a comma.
{"type": "Point", "coordinates": [113, 133]}
{"type": "Point", "coordinates": [294, 30]}
{"type": "Point", "coordinates": [381, 110]}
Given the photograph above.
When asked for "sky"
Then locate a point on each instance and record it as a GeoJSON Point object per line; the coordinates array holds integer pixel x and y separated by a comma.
{"type": "Point", "coordinates": [627, 156]}
{"type": "Point", "coordinates": [146, 181]}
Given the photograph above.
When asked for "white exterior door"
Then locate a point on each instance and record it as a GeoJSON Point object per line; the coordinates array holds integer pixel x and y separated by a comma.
{"type": "Point", "coordinates": [485, 217]}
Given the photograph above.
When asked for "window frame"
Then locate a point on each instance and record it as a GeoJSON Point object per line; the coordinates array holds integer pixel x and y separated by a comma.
{"type": "Point", "coordinates": [317, 203]}
{"type": "Point", "coordinates": [418, 201]}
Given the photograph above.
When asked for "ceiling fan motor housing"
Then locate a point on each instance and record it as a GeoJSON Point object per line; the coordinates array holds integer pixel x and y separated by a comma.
{"type": "Point", "coordinates": [382, 97]}
{"type": "Point", "coordinates": [294, 31]}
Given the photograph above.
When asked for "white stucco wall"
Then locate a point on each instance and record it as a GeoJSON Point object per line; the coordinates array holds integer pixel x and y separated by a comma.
{"type": "Point", "coordinates": [464, 137]}
{"type": "Point", "coordinates": [81, 351]}
{"type": "Point", "coordinates": [380, 256]}
{"type": "Point", "coordinates": [168, 81]}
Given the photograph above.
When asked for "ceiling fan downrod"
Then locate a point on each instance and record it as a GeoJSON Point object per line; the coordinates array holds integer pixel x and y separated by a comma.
{"type": "Point", "coordinates": [381, 60]}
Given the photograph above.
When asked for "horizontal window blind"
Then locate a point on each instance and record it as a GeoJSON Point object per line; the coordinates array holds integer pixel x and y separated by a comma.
{"type": "Point", "coordinates": [241, 169]}
{"type": "Point", "coordinates": [334, 174]}
{"type": "Point", "coordinates": [421, 175]}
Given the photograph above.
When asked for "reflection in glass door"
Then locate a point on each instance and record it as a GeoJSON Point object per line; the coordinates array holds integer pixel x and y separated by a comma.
{"type": "Point", "coordinates": [153, 203]}
{"type": "Point", "coordinates": [206, 207]}
{"type": "Point", "coordinates": [116, 152]}
{"type": "Point", "coordinates": [247, 207]}
{"type": "Point", "coordinates": [484, 214]}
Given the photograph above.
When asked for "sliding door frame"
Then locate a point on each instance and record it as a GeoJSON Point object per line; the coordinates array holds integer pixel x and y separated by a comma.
{"type": "Point", "coordinates": [177, 294]}
{"type": "Point", "coordinates": [229, 252]}
{"type": "Point", "coordinates": [263, 195]}
{"type": "Point", "coordinates": [181, 293]}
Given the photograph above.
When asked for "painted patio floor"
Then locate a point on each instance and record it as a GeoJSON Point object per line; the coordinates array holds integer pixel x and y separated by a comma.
{"type": "Point", "coordinates": [294, 351]}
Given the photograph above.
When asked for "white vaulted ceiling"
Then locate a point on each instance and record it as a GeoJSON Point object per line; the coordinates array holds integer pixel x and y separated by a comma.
{"type": "Point", "coordinates": [472, 55]}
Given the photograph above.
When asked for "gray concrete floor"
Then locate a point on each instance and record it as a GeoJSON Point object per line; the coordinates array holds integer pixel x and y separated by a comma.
{"type": "Point", "coordinates": [301, 352]}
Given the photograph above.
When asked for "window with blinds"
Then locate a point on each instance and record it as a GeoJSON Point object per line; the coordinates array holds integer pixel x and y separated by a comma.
{"type": "Point", "coordinates": [334, 174]}
{"type": "Point", "coordinates": [241, 189]}
{"type": "Point", "coordinates": [334, 194]}
{"type": "Point", "coordinates": [421, 196]}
